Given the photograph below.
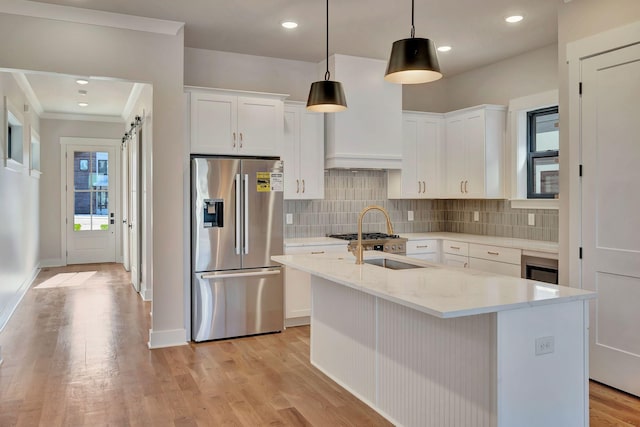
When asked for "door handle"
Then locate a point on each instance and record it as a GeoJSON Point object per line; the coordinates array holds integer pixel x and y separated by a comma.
{"type": "Point", "coordinates": [249, 274]}
{"type": "Point", "coordinates": [237, 214]}
{"type": "Point", "coordinates": [246, 213]}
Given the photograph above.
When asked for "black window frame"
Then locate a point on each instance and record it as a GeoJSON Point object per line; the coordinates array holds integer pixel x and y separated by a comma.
{"type": "Point", "coordinates": [532, 154]}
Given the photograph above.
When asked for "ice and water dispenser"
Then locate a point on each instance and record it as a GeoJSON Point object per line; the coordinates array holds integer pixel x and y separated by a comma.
{"type": "Point", "coordinates": [213, 213]}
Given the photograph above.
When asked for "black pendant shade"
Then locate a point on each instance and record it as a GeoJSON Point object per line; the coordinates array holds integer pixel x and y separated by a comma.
{"type": "Point", "coordinates": [413, 61]}
{"type": "Point", "coordinates": [326, 96]}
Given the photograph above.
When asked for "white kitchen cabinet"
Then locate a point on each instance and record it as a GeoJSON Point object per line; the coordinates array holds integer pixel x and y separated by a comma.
{"type": "Point", "coordinates": [236, 123]}
{"type": "Point", "coordinates": [474, 152]}
{"type": "Point", "coordinates": [426, 250]}
{"type": "Point", "coordinates": [455, 260]}
{"type": "Point", "coordinates": [297, 284]}
{"type": "Point", "coordinates": [419, 177]}
{"type": "Point", "coordinates": [303, 152]}
{"type": "Point", "coordinates": [495, 259]}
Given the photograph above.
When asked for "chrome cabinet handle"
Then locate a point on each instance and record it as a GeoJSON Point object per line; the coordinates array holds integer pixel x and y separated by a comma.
{"type": "Point", "coordinates": [461, 182]}
{"type": "Point", "coordinates": [455, 247]}
{"type": "Point", "coordinates": [316, 253]}
{"type": "Point", "coordinates": [465, 186]}
{"type": "Point", "coordinates": [234, 140]}
{"type": "Point", "coordinates": [297, 185]}
{"type": "Point", "coordinates": [493, 253]}
{"type": "Point", "coordinates": [241, 139]}
{"type": "Point", "coordinates": [419, 188]}
{"type": "Point", "coordinates": [424, 187]}
{"type": "Point", "coordinates": [303, 185]}
{"type": "Point", "coordinates": [422, 246]}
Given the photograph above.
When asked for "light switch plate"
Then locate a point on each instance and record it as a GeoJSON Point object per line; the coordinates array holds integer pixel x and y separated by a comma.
{"type": "Point", "coordinates": [289, 219]}
{"type": "Point", "coordinates": [532, 219]}
{"type": "Point", "coordinates": [410, 216]}
{"type": "Point", "coordinates": [476, 216]}
{"type": "Point", "coordinates": [544, 345]}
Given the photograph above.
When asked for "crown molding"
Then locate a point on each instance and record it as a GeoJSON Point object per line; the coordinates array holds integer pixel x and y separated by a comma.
{"type": "Point", "coordinates": [81, 117]}
{"type": "Point", "coordinates": [26, 88]}
{"type": "Point", "coordinates": [88, 16]}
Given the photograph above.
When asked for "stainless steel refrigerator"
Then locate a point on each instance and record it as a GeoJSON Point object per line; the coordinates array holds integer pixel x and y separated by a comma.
{"type": "Point", "coordinates": [236, 226]}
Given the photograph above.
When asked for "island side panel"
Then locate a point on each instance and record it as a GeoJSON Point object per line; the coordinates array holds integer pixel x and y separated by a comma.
{"type": "Point", "coordinates": [436, 372]}
{"type": "Point", "coordinates": [547, 389]}
{"type": "Point", "coordinates": [343, 336]}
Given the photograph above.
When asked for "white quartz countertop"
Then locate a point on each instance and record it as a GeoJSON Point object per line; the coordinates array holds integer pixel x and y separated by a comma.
{"type": "Point", "coordinates": [439, 290]}
{"type": "Point", "coordinates": [505, 242]}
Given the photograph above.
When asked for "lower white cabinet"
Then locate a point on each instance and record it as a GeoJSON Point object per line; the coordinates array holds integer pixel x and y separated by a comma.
{"type": "Point", "coordinates": [455, 260]}
{"type": "Point", "coordinates": [495, 267]}
{"type": "Point", "coordinates": [297, 284]}
{"type": "Point", "coordinates": [426, 250]}
{"type": "Point", "coordinates": [495, 259]}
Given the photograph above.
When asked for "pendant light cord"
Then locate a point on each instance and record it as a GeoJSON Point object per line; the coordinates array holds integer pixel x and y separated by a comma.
{"type": "Point", "coordinates": [327, 75]}
{"type": "Point", "coordinates": [413, 28]}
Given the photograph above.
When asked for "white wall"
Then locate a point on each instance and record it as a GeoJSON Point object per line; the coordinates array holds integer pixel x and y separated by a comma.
{"type": "Point", "coordinates": [577, 20]}
{"type": "Point", "coordinates": [210, 68]}
{"type": "Point", "coordinates": [50, 197]}
{"type": "Point", "coordinates": [158, 59]}
{"type": "Point", "coordinates": [19, 207]}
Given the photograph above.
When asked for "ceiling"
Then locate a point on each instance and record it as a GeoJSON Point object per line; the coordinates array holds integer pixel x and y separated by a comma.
{"type": "Point", "coordinates": [475, 29]}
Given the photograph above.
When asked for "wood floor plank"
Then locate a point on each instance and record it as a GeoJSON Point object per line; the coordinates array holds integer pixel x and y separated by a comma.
{"type": "Point", "coordinates": [78, 356]}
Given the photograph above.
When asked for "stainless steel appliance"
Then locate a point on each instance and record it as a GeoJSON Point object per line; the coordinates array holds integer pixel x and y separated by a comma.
{"type": "Point", "coordinates": [540, 269]}
{"type": "Point", "coordinates": [391, 243]}
{"type": "Point", "coordinates": [236, 226]}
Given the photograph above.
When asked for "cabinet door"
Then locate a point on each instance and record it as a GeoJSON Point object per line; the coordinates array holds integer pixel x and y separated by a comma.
{"type": "Point", "coordinates": [410, 135]}
{"type": "Point", "coordinates": [260, 126]}
{"type": "Point", "coordinates": [455, 260]}
{"type": "Point", "coordinates": [455, 158]}
{"type": "Point", "coordinates": [213, 124]}
{"type": "Point", "coordinates": [432, 257]}
{"type": "Point", "coordinates": [503, 268]}
{"type": "Point", "coordinates": [474, 136]}
{"type": "Point", "coordinates": [290, 154]}
{"type": "Point", "coordinates": [427, 152]}
{"type": "Point", "coordinates": [297, 293]}
{"type": "Point", "coordinates": [311, 155]}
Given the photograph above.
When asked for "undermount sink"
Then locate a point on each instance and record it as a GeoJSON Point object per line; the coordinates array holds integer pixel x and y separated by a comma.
{"type": "Point", "coordinates": [392, 264]}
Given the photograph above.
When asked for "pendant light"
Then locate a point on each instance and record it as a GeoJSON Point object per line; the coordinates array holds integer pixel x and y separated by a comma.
{"type": "Point", "coordinates": [326, 96]}
{"type": "Point", "coordinates": [413, 60]}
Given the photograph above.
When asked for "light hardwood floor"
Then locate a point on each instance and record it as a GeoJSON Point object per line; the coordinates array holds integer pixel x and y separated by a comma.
{"type": "Point", "coordinates": [78, 356]}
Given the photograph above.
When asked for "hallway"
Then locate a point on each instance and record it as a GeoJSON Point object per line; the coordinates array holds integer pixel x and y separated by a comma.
{"type": "Point", "coordinates": [78, 356]}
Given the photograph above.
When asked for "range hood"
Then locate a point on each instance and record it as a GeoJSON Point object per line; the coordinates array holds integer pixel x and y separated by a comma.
{"type": "Point", "coordinates": [368, 135]}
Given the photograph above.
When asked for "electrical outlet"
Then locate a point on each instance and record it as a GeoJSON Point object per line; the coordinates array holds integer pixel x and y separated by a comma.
{"type": "Point", "coordinates": [532, 219]}
{"type": "Point", "coordinates": [476, 216]}
{"type": "Point", "coordinates": [289, 219]}
{"type": "Point", "coordinates": [544, 345]}
{"type": "Point", "coordinates": [410, 216]}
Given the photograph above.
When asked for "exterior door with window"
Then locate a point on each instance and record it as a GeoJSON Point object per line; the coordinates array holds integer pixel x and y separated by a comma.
{"type": "Point", "coordinates": [611, 214]}
{"type": "Point", "coordinates": [91, 207]}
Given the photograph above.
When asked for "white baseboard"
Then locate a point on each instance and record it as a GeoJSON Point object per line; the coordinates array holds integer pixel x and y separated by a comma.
{"type": "Point", "coordinates": [52, 262]}
{"type": "Point", "coordinates": [146, 294]}
{"type": "Point", "coordinates": [168, 338]}
{"type": "Point", "coordinates": [297, 321]}
{"type": "Point", "coordinates": [14, 302]}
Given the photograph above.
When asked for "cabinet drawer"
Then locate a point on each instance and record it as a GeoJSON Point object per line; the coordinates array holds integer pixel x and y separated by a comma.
{"type": "Point", "coordinates": [455, 260]}
{"type": "Point", "coordinates": [456, 248]}
{"type": "Point", "coordinates": [495, 267]}
{"type": "Point", "coordinates": [495, 253]}
{"type": "Point", "coordinates": [321, 249]}
{"type": "Point", "coordinates": [422, 246]}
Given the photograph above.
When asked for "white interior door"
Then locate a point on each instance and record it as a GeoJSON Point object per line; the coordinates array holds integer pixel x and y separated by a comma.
{"type": "Point", "coordinates": [125, 208]}
{"type": "Point", "coordinates": [133, 218]}
{"type": "Point", "coordinates": [611, 214]}
{"type": "Point", "coordinates": [91, 193]}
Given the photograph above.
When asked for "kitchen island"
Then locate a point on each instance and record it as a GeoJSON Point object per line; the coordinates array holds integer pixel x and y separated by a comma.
{"type": "Point", "coordinates": [441, 346]}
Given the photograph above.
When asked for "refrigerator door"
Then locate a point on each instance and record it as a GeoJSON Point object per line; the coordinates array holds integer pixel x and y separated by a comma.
{"type": "Point", "coordinates": [230, 304]}
{"type": "Point", "coordinates": [215, 208]}
{"type": "Point", "coordinates": [262, 207]}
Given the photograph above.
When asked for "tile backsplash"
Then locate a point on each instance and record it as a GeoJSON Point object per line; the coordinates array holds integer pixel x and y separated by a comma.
{"type": "Point", "coordinates": [348, 192]}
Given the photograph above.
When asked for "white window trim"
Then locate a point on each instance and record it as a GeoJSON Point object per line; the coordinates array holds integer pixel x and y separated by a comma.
{"type": "Point", "coordinates": [517, 149]}
{"type": "Point", "coordinates": [34, 144]}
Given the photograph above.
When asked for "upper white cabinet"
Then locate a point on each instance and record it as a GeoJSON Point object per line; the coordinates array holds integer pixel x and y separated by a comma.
{"type": "Point", "coordinates": [303, 152]}
{"type": "Point", "coordinates": [419, 178]}
{"type": "Point", "coordinates": [367, 134]}
{"type": "Point", "coordinates": [236, 123]}
{"type": "Point", "coordinates": [474, 148]}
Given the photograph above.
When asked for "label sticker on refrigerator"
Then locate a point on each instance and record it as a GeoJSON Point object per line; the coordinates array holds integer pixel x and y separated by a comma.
{"type": "Point", "coordinates": [263, 182]}
{"type": "Point", "coordinates": [277, 181]}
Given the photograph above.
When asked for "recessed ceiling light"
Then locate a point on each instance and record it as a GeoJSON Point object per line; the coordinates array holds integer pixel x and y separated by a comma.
{"type": "Point", "coordinates": [83, 104]}
{"type": "Point", "coordinates": [513, 19]}
{"type": "Point", "coordinates": [444, 48]}
{"type": "Point", "coordinates": [82, 81]}
{"type": "Point", "coordinates": [82, 92]}
{"type": "Point", "coordinates": [290, 25]}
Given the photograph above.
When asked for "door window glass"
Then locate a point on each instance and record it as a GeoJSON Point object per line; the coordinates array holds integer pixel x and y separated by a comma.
{"type": "Point", "coordinates": [91, 201]}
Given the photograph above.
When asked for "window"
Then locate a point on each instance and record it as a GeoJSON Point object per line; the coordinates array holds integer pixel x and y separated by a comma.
{"type": "Point", "coordinates": [542, 153]}
{"type": "Point", "coordinates": [13, 136]}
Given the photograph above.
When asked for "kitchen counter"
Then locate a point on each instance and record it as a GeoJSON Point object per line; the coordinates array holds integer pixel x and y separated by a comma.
{"type": "Point", "coordinates": [437, 290]}
{"type": "Point", "coordinates": [428, 346]}
{"type": "Point", "coordinates": [505, 242]}
{"type": "Point", "coordinates": [313, 241]}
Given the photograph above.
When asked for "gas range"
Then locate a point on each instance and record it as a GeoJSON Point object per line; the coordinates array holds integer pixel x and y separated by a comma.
{"type": "Point", "coordinates": [391, 243]}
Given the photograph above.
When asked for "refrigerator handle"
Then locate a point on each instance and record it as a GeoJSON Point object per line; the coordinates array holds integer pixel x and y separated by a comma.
{"type": "Point", "coordinates": [206, 276]}
{"type": "Point", "coordinates": [238, 214]}
{"type": "Point", "coordinates": [246, 214]}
